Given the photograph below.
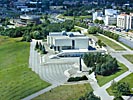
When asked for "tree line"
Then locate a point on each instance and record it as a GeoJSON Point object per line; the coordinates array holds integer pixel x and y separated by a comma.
{"type": "Point", "coordinates": [101, 64]}
{"type": "Point", "coordinates": [33, 31]}
{"type": "Point", "coordinates": [40, 48]}
{"type": "Point", "coordinates": [78, 11]}
{"type": "Point", "coordinates": [95, 30]}
{"type": "Point", "coordinates": [98, 21]}
{"type": "Point", "coordinates": [81, 24]}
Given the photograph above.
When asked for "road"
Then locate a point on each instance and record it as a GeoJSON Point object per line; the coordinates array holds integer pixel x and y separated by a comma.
{"type": "Point", "coordinates": [101, 91]}
{"type": "Point", "coordinates": [53, 70]}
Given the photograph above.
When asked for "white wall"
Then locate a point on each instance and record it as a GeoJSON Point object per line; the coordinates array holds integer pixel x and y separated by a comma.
{"type": "Point", "coordinates": [81, 43]}
{"type": "Point", "coordinates": [62, 42]}
{"type": "Point", "coordinates": [110, 12]}
{"type": "Point", "coordinates": [97, 14]}
{"type": "Point", "coordinates": [121, 21]}
{"type": "Point", "coordinates": [109, 20]}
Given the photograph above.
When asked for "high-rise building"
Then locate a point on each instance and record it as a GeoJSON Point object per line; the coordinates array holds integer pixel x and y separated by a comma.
{"type": "Point", "coordinates": [110, 17]}
{"type": "Point", "coordinates": [125, 21]}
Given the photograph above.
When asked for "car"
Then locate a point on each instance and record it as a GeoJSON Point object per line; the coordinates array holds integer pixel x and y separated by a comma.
{"type": "Point", "coordinates": [119, 30]}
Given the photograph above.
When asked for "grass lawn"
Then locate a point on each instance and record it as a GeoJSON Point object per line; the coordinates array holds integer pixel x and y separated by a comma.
{"type": "Point", "coordinates": [66, 92]}
{"type": "Point", "coordinates": [105, 79]}
{"type": "Point", "coordinates": [110, 43]}
{"type": "Point", "coordinates": [16, 79]}
{"type": "Point", "coordinates": [129, 57]}
{"type": "Point", "coordinates": [128, 79]}
{"type": "Point", "coordinates": [76, 17]}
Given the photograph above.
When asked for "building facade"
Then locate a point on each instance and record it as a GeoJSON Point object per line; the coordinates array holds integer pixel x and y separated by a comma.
{"type": "Point", "coordinates": [97, 15]}
{"type": "Point", "coordinates": [125, 21]}
{"type": "Point", "coordinates": [30, 19]}
{"type": "Point", "coordinates": [109, 12]}
{"type": "Point", "coordinates": [67, 41]}
{"type": "Point", "coordinates": [110, 20]}
{"type": "Point", "coordinates": [110, 17]}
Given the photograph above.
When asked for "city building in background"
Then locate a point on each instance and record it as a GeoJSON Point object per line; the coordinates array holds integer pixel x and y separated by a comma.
{"type": "Point", "coordinates": [125, 21]}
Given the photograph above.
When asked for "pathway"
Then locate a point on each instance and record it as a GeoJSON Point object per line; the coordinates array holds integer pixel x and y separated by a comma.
{"type": "Point", "coordinates": [101, 91]}
{"type": "Point", "coordinates": [41, 92]}
{"type": "Point", "coordinates": [53, 71]}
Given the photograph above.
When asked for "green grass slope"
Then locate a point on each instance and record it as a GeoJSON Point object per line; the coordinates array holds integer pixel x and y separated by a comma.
{"type": "Point", "coordinates": [66, 92]}
{"type": "Point", "coordinates": [16, 79]}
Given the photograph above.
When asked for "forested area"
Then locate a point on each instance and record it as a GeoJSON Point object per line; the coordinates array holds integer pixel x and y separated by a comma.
{"type": "Point", "coordinates": [101, 64]}
{"type": "Point", "coordinates": [94, 30]}
{"type": "Point", "coordinates": [37, 31]}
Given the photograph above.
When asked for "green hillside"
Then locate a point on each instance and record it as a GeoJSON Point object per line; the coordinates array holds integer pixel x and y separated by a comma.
{"type": "Point", "coordinates": [16, 79]}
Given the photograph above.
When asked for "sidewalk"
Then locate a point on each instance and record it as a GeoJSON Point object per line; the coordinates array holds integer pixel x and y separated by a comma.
{"type": "Point", "coordinates": [40, 92]}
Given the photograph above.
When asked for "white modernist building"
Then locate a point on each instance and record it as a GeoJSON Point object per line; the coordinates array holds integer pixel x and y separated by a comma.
{"type": "Point", "coordinates": [125, 21]}
{"type": "Point", "coordinates": [110, 17]}
{"type": "Point", "coordinates": [67, 41]}
{"type": "Point", "coordinates": [97, 15]}
{"type": "Point", "coordinates": [110, 20]}
{"type": "Point", "coordinates": [111, 12]}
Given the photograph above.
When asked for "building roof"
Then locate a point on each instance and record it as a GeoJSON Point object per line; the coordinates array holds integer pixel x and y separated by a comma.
{"type": "Point", "coordinates": [123, 14]}
{"type": "Point", "coordinates": [60, 37]}
{"type": "Point", "coordinates": [29, 17]}
{"type": "Point", "coordinates": [75, 50]}
{"type": "Point", "coordinates": [110, 12]}
{"type": "Point", "coordinates": [65, 33]}
{"type": "Point", "coordinates": [70, 38]}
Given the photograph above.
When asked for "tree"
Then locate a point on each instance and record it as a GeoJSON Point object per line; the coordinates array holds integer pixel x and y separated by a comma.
{"type": "Point", "coordinates": [89, 96]}
{"type": "Point", "coordinates": [36, 35]}
{"type": "Point", "coordinates": [120, 88]}
{"type": "Point", "coordinates": [43, 50]}
{"type": "Point", "coordinates": [36, 46]}
{"type": "Point", "coordinates": [94, 30]}
{"type": "Point", "coordinates": [118, 98]}
{"type": "Point", "coordinates": [123, 87]}
{"type": "Point", "coordinates": [82, 98]}
{"type": "Point", "coordinates": [96, 21]}
{"type": "Point", "coordinates": [101, 64]}
{"type": "Point", "coordinates": [40, 46]}
{"type": "Point", "coordinates": [101, 22]}
{"type": "Point", "coordinates": [28, 38]}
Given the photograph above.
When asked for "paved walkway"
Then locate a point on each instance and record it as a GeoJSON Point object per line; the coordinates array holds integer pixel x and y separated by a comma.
{"type": "Point", "coordinates": [123, 60]}
{"type": "Point", "coordinates": [101, 91]}
{"type": "Point", "coordinates": [40, 92]}
{"type": "Point", "coordinates": [118, 55]}
{"type": "Point", "coordinates": [53, 71]}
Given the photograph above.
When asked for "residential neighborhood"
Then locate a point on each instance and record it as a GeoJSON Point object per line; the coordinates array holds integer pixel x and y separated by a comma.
{"type": "Point", "coordinates": [66, 50]}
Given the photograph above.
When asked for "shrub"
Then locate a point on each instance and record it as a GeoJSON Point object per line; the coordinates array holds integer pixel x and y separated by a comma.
{"type": "Point", "coordinates": [118, 98]}
{"type": "Point", "coordinates": [72, 79]}
{"type": "Point", "coordinates": [89, 96]}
